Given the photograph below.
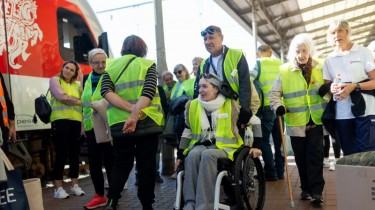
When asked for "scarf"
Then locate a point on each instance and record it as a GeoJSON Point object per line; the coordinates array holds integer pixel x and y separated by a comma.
{"type": "Point", "coordinates": [306, 69]}
{"type": "Point", "coordinates": [212, 108]}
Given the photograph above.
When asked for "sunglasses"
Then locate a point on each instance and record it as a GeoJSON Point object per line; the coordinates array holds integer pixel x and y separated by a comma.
{"type": "Point", "coordinates": [177, 72]}
{"type": "Point", "coordinates": [206, 76]}
{"type": "Point", "coordinates": [209, 31]}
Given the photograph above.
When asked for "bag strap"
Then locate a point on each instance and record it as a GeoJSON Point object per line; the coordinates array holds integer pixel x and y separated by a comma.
{"type": "Point", "coordinates": [123, 70]}
{"type": "Point", "coordinates": [7, 162]}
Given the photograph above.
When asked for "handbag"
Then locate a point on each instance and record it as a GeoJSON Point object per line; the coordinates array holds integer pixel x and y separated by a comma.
{"type": "Point", "coordinates": [12, 191]}
{"type": "Point", "coordinates": [34, 194]}
{"type": "Point", "coordinates": [43, 108]}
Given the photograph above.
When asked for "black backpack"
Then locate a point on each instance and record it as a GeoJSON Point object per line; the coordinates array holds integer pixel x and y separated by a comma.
{"type": "Point", "coordinates": [43, 108]}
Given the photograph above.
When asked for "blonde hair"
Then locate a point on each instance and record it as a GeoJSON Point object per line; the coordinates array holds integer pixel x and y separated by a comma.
{"type": "Point", "coordinates": [338, 24]}
{"type": "Point", "coordinates": [178, 66]}
{"type": "Point", "coordinates": [303, 38]}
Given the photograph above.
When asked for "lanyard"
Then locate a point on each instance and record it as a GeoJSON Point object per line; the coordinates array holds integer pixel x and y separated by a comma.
{"type": "Point", "coordinates": [213, 67]}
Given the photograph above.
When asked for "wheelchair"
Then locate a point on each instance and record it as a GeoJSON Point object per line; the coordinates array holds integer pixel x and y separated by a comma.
{"type": "Point", "coordinates": [245, 176]}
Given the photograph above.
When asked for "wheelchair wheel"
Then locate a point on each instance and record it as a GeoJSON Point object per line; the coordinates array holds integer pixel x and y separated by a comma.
{"type": "Point", "coordinates": [250, 186]}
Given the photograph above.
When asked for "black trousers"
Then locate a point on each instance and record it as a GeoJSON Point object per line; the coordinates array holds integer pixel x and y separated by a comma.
{"type": "Point", "coordinates": [308, 153]}
{"type": "Point", "coordinates": [66, 139]}
{"type": "Point", "coordinates": [144, 150]}
{"type": "Point", "coordinates": [99, 155]}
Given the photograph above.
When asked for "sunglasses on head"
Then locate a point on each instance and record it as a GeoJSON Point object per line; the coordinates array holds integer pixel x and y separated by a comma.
{"type": "Point", "coordinates": [206, 76]}
{"type": "Point", "coordinates": [177, 72]}
{"type": "Point", "coordinates": [209, 31]}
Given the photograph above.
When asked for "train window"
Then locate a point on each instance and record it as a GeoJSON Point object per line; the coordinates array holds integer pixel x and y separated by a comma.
{"type": "Point", "coordinates": [75, 39]}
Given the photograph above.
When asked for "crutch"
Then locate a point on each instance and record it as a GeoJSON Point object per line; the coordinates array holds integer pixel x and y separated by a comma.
{"type": "Point", "coordinates": [286, 162]}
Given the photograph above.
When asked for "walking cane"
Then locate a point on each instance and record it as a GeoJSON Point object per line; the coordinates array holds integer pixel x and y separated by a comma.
{"type": "Point", "coordinates": [286, 162]}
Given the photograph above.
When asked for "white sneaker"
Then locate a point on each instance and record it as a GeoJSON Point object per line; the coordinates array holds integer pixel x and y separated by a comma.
{"type": "Point", "coordinates": [174, 175]}
{"type": "Point", "coordinates": [326, 163]}
{"type": "Point", "coordinates": [76, 190]}
{"type": "Point", "coordinates": [332, 167]}
{"type": "Point", "coordinates": [60, 193]}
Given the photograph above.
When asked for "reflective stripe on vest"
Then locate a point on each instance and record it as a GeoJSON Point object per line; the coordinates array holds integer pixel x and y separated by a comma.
{"type": "Point", "coordinates": [224, 140]}
{"type": "Point", "coordinates": [63, 111]}
{"type": "Point", "coordinates": [87, 98]}
{"type": "Point", "coordinates": [4, 106]}
{"type": "Point", "coordinates": [301, 100]}
{"type": "Point", "coordinates": [270, 69]}
{"type": "Point", "coordinates": [129, 87]}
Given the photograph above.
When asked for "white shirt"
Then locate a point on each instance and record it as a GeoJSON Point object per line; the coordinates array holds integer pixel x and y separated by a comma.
{"type": "Point", "coordinates": [353, 66]}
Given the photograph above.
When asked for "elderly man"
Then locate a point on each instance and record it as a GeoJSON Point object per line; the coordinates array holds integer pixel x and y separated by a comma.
{"type": "Point", "coordinates": [229, 64]}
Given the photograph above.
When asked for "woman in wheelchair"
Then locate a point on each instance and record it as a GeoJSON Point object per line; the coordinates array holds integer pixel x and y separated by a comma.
{"type": "Point", "coordinates": [211, 132]}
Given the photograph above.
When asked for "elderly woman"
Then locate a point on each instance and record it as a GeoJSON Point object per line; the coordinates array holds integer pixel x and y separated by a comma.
{"type": "Point", "coordinates": [66, 120]}
{"type": "Point", "coordinates": [129, 85]}
{"type": "Point", "coordinates": [354, 124]}
{"type": "Point", "coordinates": [99, 146]}
{"type": "Point", "coordinates": [205, 139]}
{"type": "Point", "coordinates": [298, 84]}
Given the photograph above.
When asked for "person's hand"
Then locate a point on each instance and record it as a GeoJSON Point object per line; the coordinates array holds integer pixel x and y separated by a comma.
{"type": "Point", "coordinates": [280, 111]}
{"type": "Point", "coordinates": [255, 152]}
{"type": "Point", "coordinates": [12, 131]}
{"type": "Point", "coordinates": [178, 165]}
{"type": "Point", "coordinates": [346, 89]}
{"type": "Point", "coordinates": [245, 115]}
{"type": "Point", "coordinates": [83, 133]}
{"type": "Point", "coordinates": [324, 89]}
{"type": "Point", "coordinates": [130, 125]}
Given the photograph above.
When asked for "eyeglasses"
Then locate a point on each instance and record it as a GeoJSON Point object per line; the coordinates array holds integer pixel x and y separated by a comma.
{"type": "Point", "coordinates": [97, 63]}
{"type": "Point", "coordinates": [177, 72]}
{"type": "Point", "coordinates": [209, 31]}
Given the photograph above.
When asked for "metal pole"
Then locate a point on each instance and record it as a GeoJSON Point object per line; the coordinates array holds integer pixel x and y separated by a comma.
{"type": "Point", "coordinates": [167, 151]}
{"type": "Point", "coordinates": [254, 25]}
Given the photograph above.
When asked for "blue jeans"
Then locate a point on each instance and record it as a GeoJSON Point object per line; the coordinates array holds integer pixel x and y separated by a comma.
{"type": "Point", "coordinates": [357, 134]}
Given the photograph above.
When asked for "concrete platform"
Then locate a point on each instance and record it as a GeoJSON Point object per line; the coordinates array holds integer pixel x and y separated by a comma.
{"type": "Point", "coordinates": [277, 194]}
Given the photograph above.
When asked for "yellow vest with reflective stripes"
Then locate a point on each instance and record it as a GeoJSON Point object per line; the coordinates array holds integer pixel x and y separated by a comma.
{"type": "Point", "coordinates": [179, 88]}
{"type": "Point", "coordinates": [231, 60]}
{"type": "Point", "coordinates": [302, 99]}
{"type": "Point", "coordinates": [225, 139]}
{"type": "Point", "coordinates": [63, 111]}
{"type": "Point", "coordinates": [189, 87]}
{"type": "Point", "coordinates": [269, 70]}
{"type": "Point", "coordinates": [87, 98]}
{"type": "Point", "coordinates": [129, 87]}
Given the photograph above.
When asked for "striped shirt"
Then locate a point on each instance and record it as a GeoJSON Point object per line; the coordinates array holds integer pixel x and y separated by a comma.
{"type": "Point", "coordinates": [149, 87]}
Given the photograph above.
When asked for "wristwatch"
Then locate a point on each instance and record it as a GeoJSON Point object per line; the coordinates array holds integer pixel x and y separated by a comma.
{"type": "Point", "coordinates": [357, 87]}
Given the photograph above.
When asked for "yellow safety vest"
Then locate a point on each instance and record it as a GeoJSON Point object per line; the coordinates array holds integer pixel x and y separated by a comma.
{"type": "Point", "coordinates": [87, 98]}
{"type": "Point", "coordinates": [179, 88]}
{"type": "Point", "coordinates": [189, 87]}
{"type": "Point", "coordinates": [129, 87]}
{"type": "Point", "coordinates": [231, 60]}
{"type": "Point", "coordinates": [4, 106]}
{"type": "Point", "coordinates": [302, 99]}
{"type": "Point", "coordinates": [269, 70]}
{"type": "Point", "coordinates": [225, 140]}
{"type": "Point", "coordinates": [63, 111]}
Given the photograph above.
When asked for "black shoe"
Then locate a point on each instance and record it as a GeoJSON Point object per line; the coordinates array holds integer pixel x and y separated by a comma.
{"type": "Point", "coordinates": [271, 179]}
{"type": "Point", "coordinates": [112, 204]}
{"type": "Point", "coordinates": [316, 200]}
{"type": "Point", "coordinates": [158, 179]}
{"type": "Point", "coordinates": [305, 196]}
{"type": "Point", "coordinates": [228, 200]}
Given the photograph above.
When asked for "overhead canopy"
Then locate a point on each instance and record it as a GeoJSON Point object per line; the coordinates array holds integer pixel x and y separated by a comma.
{"type": "Point", "coordinates": [278, 21]}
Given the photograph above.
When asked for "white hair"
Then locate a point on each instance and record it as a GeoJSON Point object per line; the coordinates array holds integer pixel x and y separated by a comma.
{"type": "Point", "coordinates": [94, 52]}
{"type": "Point", "coordinates": [303, 38]}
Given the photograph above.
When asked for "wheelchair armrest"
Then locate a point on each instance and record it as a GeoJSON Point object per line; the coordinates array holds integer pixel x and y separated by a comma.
{"type": "Point", "coordinates": [224, 164]}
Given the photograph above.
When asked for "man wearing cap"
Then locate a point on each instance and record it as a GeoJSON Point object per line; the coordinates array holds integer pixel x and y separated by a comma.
{"type": "Point", "coordinates": [229, 64]}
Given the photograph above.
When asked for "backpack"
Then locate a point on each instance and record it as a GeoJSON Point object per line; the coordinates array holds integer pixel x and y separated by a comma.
{"type": "Point", "coordinates": [43, 108]}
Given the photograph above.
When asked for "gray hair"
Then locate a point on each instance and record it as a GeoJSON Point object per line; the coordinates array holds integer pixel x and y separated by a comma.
{"type": "Point", "coordinates": [165, 73]}
{"type": "Point", "coordinates": [94, 52]}
{"type": "Point", "coordinates": [303, 38]}
{"type": "Point", "coordinates": [338, 24]}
